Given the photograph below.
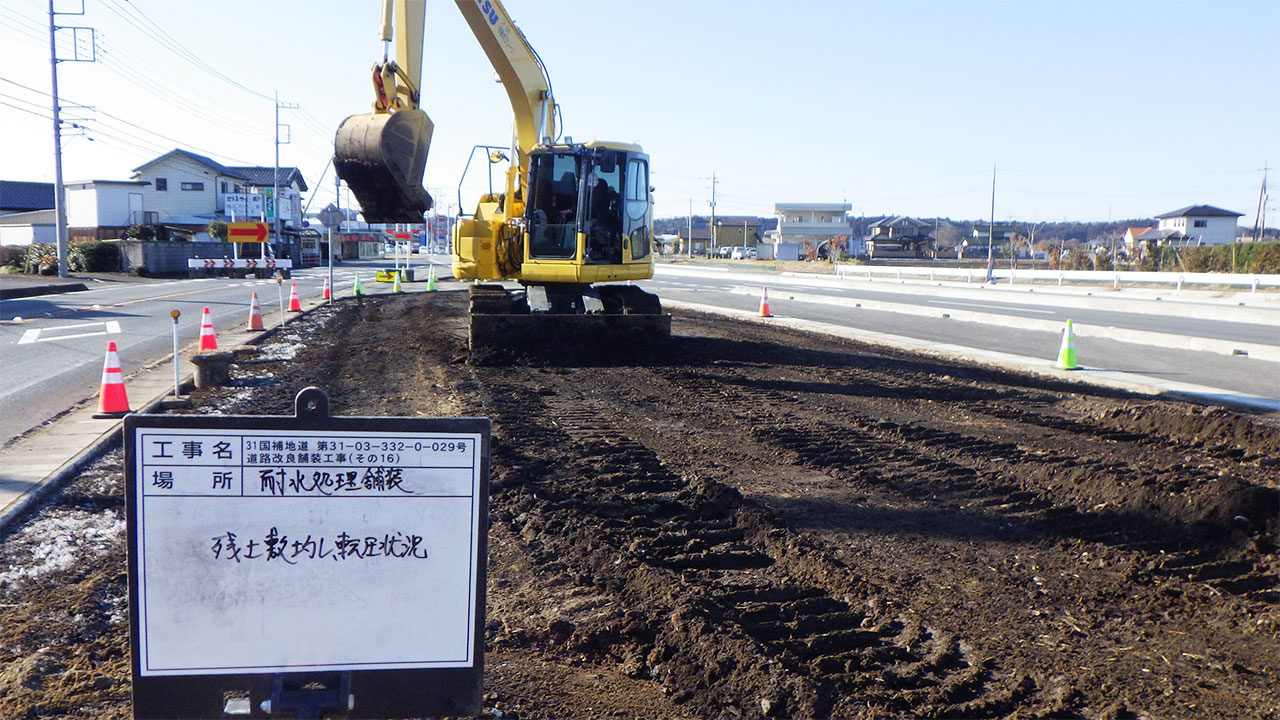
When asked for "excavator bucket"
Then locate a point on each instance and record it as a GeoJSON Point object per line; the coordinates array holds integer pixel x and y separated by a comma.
{"type": "Point", "coordinates": [381, 156]}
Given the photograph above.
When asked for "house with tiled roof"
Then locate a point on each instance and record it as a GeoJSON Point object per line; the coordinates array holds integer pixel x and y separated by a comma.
{"type": "Point", "coordinates": [261, 177]}
{"type": "Point", "coordinates": [187, 188]}
{"type": "Point", "coordinates": [1135, 236]}
{"type": "Point", "coordinates": [899, 236]}
{"type": "Point", "coordinates": [18, 196]}
{"type": "Point", "coordinates": [1199, 225]}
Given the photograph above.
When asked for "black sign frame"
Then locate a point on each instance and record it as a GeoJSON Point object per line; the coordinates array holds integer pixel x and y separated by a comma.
{"type": "Point", "coordinates": [399, 693]}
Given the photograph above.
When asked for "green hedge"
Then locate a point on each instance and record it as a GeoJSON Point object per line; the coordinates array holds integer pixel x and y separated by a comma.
{"type": "Point", "coordinates": [93, 257]}
{"type": "Point", "coordinates": [1236, 257]}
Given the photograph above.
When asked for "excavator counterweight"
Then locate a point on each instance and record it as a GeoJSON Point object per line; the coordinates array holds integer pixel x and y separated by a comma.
{"type": "Point", "coordinates": [381, 157]}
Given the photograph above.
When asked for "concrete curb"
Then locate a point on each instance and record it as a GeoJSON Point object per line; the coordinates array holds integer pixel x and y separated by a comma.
{"type": "Point", "coordinates": [1128, 382]}
{"type": "Point", "coordinates": [14, 293]}
{"type": "Point", "coordinates": [1139, 337]}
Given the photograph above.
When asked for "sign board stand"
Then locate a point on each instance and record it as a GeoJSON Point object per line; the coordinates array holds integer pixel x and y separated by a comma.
{"type": "Point", "coordinates": [306, 566]}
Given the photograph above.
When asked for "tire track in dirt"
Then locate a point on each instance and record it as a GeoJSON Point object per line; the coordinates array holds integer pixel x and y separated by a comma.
{"type": "Point", "coordinates": [831, 658]}
{"type": "Point", "coordinates": [997, 479]}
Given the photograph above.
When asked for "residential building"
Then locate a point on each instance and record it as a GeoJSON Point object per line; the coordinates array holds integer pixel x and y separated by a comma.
{"type": "Point", "coordinates": [812, 226]}
{"type": "Point", "coordinates": [187, 190]}
{"type": "Point", "coordinates": [1136, 237]}
{"type": "Point", "coordinates": [701, 241]}
{"type": "Point", "coordinates": [1007, 237]}
{"type": "Point", "coordinates": [105, 209]}
{"type": "Point", "coordinates": [26, 213]}
{"type": "Point", "coordinates": [1200, 225]}
{"type": "Point", "coordinates": [18, 196]}
{"type": "Point", "coordinates": [735, 231]}
{"type": "Point", "coordinates": [899, 237]}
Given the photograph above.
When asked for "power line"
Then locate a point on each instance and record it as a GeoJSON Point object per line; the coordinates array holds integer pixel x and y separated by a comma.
{"type": "Point", "coordinates": [26, 22]}
{"type": "Point", "coordinates": [117, 119]}
{"type": "Point", "coordinates": [18, 99]}
{"type": "Point", "coordinates": [29, 112]}
{"type": "Point", "coordinates": [124, 67]}
{"type": "Point", "coordinates": [137, 18]}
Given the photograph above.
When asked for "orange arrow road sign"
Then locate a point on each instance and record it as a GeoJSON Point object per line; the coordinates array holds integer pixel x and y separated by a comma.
{"type": "Point", "coordinates": [246, 232]}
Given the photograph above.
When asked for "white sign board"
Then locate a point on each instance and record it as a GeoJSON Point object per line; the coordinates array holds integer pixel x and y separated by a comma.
{"type": "Point", "coordinates": [242, 205]}
{"type": "Point", "coordinates": [270, 551]}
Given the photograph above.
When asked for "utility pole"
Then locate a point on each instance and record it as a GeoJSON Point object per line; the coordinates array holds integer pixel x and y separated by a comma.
{"type": "Point", "coordinates": [1259, 225]}
{"type": "Point", "coordinates": [690, 248]}
{"type": "Point", "coordinates": [713, 214]}
{"type": "Point", "coordinates": [991, 229]}
{"type": "Point", "coordinates": [60, 189]}
{"type": "Point", "coordinates": [275, 172]}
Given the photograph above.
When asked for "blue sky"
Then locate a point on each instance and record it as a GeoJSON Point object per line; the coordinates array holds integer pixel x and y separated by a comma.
{"type": "Point", "coordinates": [1088, 110]}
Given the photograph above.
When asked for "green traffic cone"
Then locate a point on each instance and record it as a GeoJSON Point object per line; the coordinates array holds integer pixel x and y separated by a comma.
{"type": "Point", "coordinates": [355, 289]}
{"type": "Point", "coordinates": [395, 287]}
{"type": "Point", "coordinates": [431, 278]}
{"type": "Point", "coordinates": [1067, 354]}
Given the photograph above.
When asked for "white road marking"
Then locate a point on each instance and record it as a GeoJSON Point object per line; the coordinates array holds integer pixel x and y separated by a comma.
{"type": "Point", "coordinates": [109, 327]}
{"type": "Point", "coordinates": [1005, 308]}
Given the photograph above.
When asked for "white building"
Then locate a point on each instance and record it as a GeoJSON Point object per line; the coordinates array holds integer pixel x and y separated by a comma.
{"type": "Point", "coordinates": [809, 225]}
{"type": "Point", "coordinates": [107, 204]}
{"type": "Point", "coordinates": [188, 190]}
{"type": "Point", "coordinates": [1199, 225]}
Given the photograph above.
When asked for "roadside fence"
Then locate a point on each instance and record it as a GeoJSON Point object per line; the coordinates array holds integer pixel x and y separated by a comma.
{"type": "Point", "coordinates": [1116, 278]}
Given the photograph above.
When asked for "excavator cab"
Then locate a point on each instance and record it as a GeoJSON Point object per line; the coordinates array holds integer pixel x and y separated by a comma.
{"type": "Point", "coordinates": [587, 216]}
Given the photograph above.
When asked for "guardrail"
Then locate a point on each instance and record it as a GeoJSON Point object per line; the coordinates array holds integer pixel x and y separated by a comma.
{"type": "Point", "coordinates": [258, 267]}
{"type": "Point", "coordinates": [241, 264]}
{"type": "Point", "coordinates": [1116, 278]}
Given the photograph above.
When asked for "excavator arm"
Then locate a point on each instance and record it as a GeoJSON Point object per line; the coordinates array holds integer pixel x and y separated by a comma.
{"type": "Point", "coordinates": [382, 155]}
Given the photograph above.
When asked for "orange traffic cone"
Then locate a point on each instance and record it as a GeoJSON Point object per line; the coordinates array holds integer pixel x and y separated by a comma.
{"type": "Point", "coordinates": [255, 314]}
{"type": "Point", "coordinates": [327, 294]}
{"type": "Point", "coordinates": [764, 303]}
{"type": "Point", "coordinates": [113, 402]}
{"type": "Point", "coordinates": [208, 341]}
{"type": "Point", "coordinates": [294, 304]}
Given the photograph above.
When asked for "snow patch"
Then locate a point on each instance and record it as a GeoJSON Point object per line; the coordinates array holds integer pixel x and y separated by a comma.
{"type": "Point", "coordinates": [280, 351]}
{"type": "Point", "coordinates": [62, 539]}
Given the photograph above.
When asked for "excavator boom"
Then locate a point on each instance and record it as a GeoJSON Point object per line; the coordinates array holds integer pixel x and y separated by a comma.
{"type": "Point", "coordinates": [382, 155]}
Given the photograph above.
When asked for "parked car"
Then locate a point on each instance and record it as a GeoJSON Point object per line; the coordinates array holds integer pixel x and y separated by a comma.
{"type": "Point", "coordinates": [743, 253]}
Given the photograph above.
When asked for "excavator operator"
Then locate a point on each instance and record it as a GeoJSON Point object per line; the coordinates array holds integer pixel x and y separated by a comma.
{"type": "Point", "coordinates": [603, 228]}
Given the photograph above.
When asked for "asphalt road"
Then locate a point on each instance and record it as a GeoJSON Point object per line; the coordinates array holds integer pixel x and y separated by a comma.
{"type": "Point", "coordinates": [1003, 319]}
{"type": "Point", "coordinates": [53, 358]}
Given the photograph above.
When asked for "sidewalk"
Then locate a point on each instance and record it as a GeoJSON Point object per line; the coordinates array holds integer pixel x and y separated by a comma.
{"type": "Point", "coordinates": [18, 285]}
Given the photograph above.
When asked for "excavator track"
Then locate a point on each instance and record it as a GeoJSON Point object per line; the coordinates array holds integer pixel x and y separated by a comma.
{"type": "Point", "coordinates": [501, 321]}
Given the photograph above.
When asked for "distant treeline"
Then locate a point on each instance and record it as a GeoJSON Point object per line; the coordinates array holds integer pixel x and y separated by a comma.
{"type": "Point", "coordinates": [950, 232]}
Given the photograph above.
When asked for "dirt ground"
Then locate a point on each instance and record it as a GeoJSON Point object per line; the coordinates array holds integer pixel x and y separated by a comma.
{"type": "Point", "coordinates": [753, 522]}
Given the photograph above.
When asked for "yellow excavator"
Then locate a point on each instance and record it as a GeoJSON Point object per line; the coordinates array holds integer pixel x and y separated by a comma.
{"type": "Point", "coordinates": [572, 225]}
